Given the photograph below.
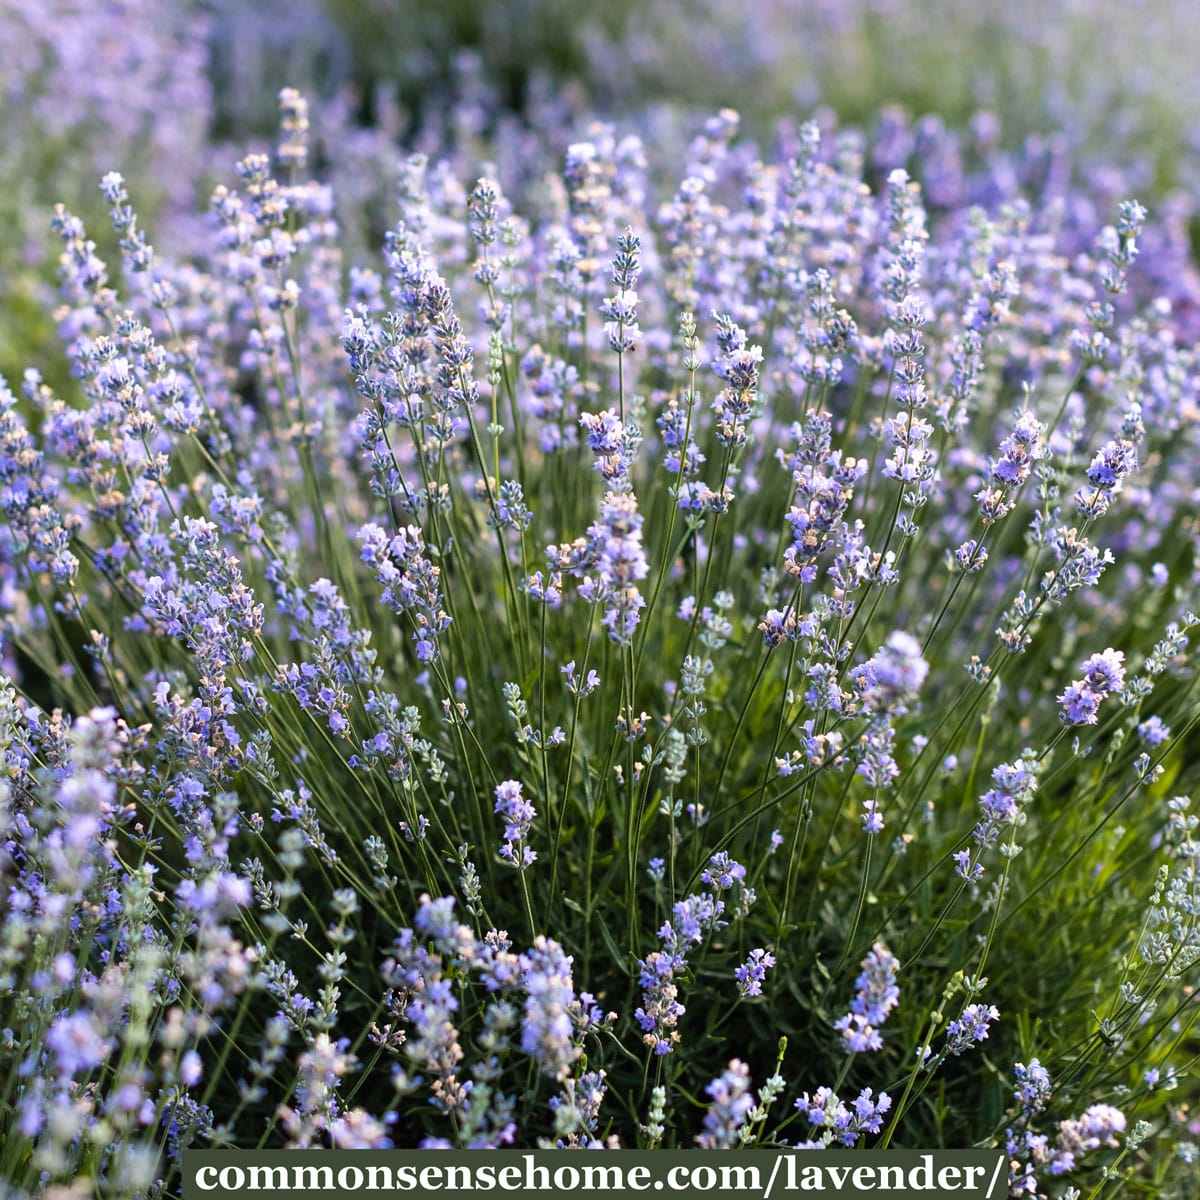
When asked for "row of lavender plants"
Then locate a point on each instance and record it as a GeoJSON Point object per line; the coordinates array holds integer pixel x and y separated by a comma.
{"type": "Point", "coordinates": [706, 667]}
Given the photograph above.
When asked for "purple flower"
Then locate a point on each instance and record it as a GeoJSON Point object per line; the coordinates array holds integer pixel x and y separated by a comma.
{"type": "Point", "coordinates": [1103, 674]}
{"type": "Point", "coordinates": [732, 1101]}
{"type": "Point", "coordinates": [518, 814]}
{"type": "Point", "coordinates": [621, 563]}
{"type": "Point", "coordinates": [411, 582]}
{"type": "Point", "coordinates": [605, 433]}
{"type": "Point", "coordinates": [889, 680]}
{"type": "Point", "coordinates": [683, 456]}
{"type": "Point", "coordinates": [1019, 452]}
{"type": "Point", "coordinates": [722, 872]}
{"type": "Point", "coordinates": [738, 366]}
{"type": "Point", "coordinates": [963, 867]}
{"type": "Point", "coordinates": [824, 482]}
{"type": "Point", "coordinates": [547, 1028]}
{"type": "Point", "coordinates": [611, 560]}
{"type": "Point", "coordinates": [1033, 1086]}
{"type": "Point", "coordinates": [692, 919]}
{"type": "Point", "coordinates": [580, 1102]}
{"type": "Point", "coordinates": [1016, 783]}
{"type": "Point", "coordinates": [876, 997]}
{"type": "Point", "coordinates": [621, 327]}
{"type": "Point", "coordinates": [660, 1009]}
{"type": "Point", "coordinates": [827, 1112]}
{"type": "Point", "coordinates": [435, 920]}
{"type": "Point", "coordinates": [970, 1028]}
{"type": "Point", "coordinates": [190, 1069]}
{"type": "Point", "coordinates": [1153, 732]}
{"type": "Point", "coordinates": [76, 1044]}
{"type": "Point", "coordinates": [859, 1034]}
{"type": "Point", "coordinates": [1097, 1126]}
{"type": "Point", "coordinates": [1079, 704]}
{"type": "Point", "coordinates": [1106, 474]}
{"type": "Point", "coordinates": [576, 686]}
{"type": "Point", "coordinates": [871, 817]}
{"type": "Point", "coordinates": [752, 973]}
{"type": "Point", "coordinates": [877, 765]}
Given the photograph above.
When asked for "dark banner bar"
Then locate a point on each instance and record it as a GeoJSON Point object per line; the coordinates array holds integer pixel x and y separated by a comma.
{"type": "Point", "coordinates": [721, 1175]}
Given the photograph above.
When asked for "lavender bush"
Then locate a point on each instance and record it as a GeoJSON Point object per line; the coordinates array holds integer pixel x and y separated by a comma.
{"type": "Point", "coordinates": [709, 667]}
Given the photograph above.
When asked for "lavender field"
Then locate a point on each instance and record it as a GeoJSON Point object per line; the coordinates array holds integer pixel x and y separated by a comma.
{"type": "Point", "coordinates": [601, 581]}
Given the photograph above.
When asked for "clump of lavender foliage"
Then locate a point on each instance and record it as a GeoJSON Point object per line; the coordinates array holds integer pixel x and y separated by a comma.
{"type": "Point", "coordinates": [510, 692]}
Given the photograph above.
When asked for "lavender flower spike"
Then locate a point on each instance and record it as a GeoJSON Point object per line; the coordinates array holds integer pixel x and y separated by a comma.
{"type": "Point", "coordinates": [518, 814]}
{"type": "Point", "coordinates": [732, 1101]}
{"type": "Point", "coordinates": [892, 677]}
{"type": "Point", "coordinates": [1103, 674]}
{"type": "Point", "coordinates": [872, 1005]}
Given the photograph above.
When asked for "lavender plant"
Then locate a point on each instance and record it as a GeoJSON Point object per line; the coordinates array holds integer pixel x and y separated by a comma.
{"type": "Point", "coordinates": [702, 667]}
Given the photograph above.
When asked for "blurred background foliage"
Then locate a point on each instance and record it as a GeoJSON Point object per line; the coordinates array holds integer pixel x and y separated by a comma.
{"type": "Point", "coordinates": [1110, 75]}
{"type": "Point", "coordinates": [170, 92]}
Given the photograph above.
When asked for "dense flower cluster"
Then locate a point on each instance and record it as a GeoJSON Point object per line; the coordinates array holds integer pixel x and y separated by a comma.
{"type": "Point", "coordinates": [453, 696]}
{"type": "Point", "coordinates": [839, 1123]}
{"type": "Point", "coordinates": [693, 919]}
{"type": "Point", "coordinates": [518, 815]}
{"type": "Point", "coordinates": [877, 996]}
{"type": "Point", "coordinates": [1103, 674]}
